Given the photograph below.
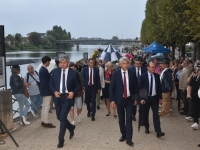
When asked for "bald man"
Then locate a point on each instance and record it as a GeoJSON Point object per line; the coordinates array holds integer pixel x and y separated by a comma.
{"type": "Point", "coordinates": [32, 83]}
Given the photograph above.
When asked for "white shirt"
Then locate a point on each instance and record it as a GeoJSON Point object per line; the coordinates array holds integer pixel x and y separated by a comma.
{"type": "Point", "coordinates": [137, 71]}
{"type": "Point", "coordinates": [33, 89]}
{"type": "Point", "coordinates": [92, 76]}
{"type": "Point", "coordinates": [61, 78]}
{"type": "Point", "coordinates": [154, 85]}
{"type": "Point", "coordinates": [127, 81]}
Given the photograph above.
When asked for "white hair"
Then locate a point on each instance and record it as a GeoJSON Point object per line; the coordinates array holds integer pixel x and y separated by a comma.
{"type": "Point", "coordinates": [123, 59]}
{"type": "Point", "coordinates": [108, 64]}
{"type": "Point", "coordinates": [63, 57]}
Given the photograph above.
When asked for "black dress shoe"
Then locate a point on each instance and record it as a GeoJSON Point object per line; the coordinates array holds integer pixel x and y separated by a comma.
{"type": "Point", "coordinates": [98, 107]}
{"type": "Point", "coordinates": [147, 131]}
{"type": "Point", "coordinates": [88, 114]}
{"type": "Point", "coordinates": [129, 142]}
{"type": "Point", "coordinates": [72, 132]}
{"type": "Point", "coordinates": [60, 144]}
{"type": "Point", "coordinates": [198, 145]}
{"type": "Point", "coordinates": [159, 134]}
{"type": "Point", "coordinates": [122, 139]}
{"type": "Point", "coordinates": [133, 118]}
{"type": "Point", "coordinates": [92, 118]}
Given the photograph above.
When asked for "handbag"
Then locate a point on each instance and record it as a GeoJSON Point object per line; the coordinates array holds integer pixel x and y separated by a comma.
{"type": "Point", "coordinates": [26, 92]}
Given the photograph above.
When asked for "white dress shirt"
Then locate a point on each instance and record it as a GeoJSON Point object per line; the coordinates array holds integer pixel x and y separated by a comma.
{"type": "Point", "coordinates": [154, 85]}
{"type": "Point", "coordinates": [92, 76]}
{"type": "Point", "coordinates": [127, 81]}
{"type": "Point", "coordinates": [61, 78]}
{"type": "Point", "coordinates": [136, 70]}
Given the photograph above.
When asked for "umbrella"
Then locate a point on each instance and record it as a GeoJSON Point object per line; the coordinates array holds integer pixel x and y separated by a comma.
{"type": "Point", "coordinates": [110, 54]}
{"type": "Point", "coordinates": [143, 94]}
{"type": "Point", "coordinates": [129, 56]}
{"type": "Point", "coordinates": [12, 62]}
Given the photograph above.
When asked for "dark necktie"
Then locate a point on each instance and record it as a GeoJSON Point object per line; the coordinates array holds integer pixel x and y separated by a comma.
{"type": "Point", "coordinates": [138, 74]}
{"type": "Point", "coordinates": [151, 85]}
{"type": "Point", "coordinates": [125, 89]}
{"type": "Point", "coordinates": [90, 77]}
{"type": "Point", "coordinates": [63, 82]}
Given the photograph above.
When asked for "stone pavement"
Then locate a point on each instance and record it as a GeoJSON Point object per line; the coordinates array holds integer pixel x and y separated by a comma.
{"type": "Point", "coordinates": [103, 134]}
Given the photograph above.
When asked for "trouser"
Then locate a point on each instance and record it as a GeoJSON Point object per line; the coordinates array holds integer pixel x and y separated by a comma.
{"type": "Point", "coordinates": [153, 103]}
{"type": "Point", "coordinates": [125, 124]}
{"type": "Point", "coordinates": [134, 110]}
{"type": "Point", "coordinates": [165, 103]}
{"type": "Point", "coordinates": [185, 101]}
{"type": "Point", "coordinates": [45, 109]}
{"type": "Point", "coordinates": [178, 96]}
{"type": "Point", "coordinates": [98, 99]}
{"type": "Point", "coordinates": [90, 99]}
{"type": "Point", "coordinates": [190, 110]}
{"type": "Point", "coordinates": [62, 109]}
{"type": "Point", "coordinates": [196, 109]}
{"type": "Point", "coordinates": [24, 104]}
{"type": "Point", "coordinates": [36, 101]}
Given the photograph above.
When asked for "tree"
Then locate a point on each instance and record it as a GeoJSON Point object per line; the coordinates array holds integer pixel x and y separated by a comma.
{"type": "Point", "coordinates": [115, 38]}
{"type": "Point", "coordinates": [59, 34]}
{"type": "Point", "coordinates": [34, 38]}
{"type": "Point", "coordinates": [18, 37]}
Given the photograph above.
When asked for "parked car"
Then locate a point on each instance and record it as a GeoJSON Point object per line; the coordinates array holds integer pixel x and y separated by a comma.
{"type": "Point", "coordinates": [159, 56]}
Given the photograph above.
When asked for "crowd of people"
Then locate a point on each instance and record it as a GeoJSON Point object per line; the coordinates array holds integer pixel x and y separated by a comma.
{"type": "Point", "coordinates": [127, 84]}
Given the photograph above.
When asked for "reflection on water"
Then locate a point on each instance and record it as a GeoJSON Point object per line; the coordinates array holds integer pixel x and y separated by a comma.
{"type": "Point", "coordinates": [72, 52]}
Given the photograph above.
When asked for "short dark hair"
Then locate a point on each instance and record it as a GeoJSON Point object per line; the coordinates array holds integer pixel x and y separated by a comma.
{"type": "Point", "coordinates": [15, 68]}
{"type": "Point", "coordinates": [90, 59]}
{"type": "Point", "coordinates": [138, 59]}
{"type": "Point", "coordinates": [45, 59]}
{"type": "Point", "coordinates": [149, 63]}
{"type": "Point", "coordinates": [72, 64]}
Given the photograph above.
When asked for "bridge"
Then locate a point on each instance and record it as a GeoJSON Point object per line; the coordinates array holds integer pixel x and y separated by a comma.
{"type": "Point", "coordinates": [92, 41]}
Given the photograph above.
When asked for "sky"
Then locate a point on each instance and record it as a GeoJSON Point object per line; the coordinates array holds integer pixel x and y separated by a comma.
{"type": "Point", "coordinates": [82, 18]}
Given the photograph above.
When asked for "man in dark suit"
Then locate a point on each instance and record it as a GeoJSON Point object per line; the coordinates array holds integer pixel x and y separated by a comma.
{"type": "Point", "coordinates": [45, 92]}
{"type": "Point", "coordinates": [123, 87]}
{"type": "Point", "coordinates": [149, 94]}
{"type": "Point", "coordinates": [64, 84]}
{"type": "Point", "coordinates": [139, 70]}
{"type": "Point", "coordinates": [92, 86]}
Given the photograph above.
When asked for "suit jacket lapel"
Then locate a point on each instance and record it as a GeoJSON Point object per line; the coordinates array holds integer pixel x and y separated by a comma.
{"type": "Point", "coordinates": [68, 77]}
{"type": "Point", "coordinates": [120, 75]}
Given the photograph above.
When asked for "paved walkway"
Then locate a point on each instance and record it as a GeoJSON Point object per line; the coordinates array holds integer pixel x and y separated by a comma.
{"type": "Point", "coordinates": [103, 134]}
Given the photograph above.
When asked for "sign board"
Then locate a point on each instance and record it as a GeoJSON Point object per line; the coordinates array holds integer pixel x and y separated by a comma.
{"type": "Point", "coordinates": [2, 58]}
{"type": "Point", "coordinates": [85, 56]}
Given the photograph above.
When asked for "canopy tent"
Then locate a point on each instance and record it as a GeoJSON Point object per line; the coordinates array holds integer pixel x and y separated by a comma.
{"type": "Point", "coordinates": [156, 48]}
{"type": "Point", "coordinates": [110, 54]}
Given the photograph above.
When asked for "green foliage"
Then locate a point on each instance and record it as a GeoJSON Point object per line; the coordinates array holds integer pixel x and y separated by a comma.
{"type": "Point", "coordinates": [58, 34]}
{"type": "Point", "coordinates": [165, 23]}
{"type": "Point", "coordinates": [18, 37]}
{"type": "Point", "coordinates": [34, 38]}
{"type": "Point", "coordinates": [17, 44]}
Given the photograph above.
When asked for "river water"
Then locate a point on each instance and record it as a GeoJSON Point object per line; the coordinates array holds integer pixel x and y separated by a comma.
{"type": "Point", "coordinates": [72, 52]}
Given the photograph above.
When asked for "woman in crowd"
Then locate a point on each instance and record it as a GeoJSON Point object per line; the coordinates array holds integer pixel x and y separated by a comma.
{"type": "Point", "coordinates": [17, 87]}
{"type": "Point", "coordinates": [78, 98]}
{"type": "Point", "coordinates": [176, 80]}
{"type": "Point", "coordinates": [108, 76]}
{"type": "Point", "coordinates": [157, 70]}
{"type": "Point", "coordinates": [195, 100]}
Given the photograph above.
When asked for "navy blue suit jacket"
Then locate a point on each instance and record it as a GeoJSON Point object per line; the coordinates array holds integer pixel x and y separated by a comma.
{"type": "Point", "coordinates": [117, 86]}
{"type": "Point", "coordinates": [144, 87]}
{"type": "Point", "coordinates": [44, 82]}
{"type": "Point", "coordinates": [73, 82]}
{"type": "Point", "coordinates": [96, 78]}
